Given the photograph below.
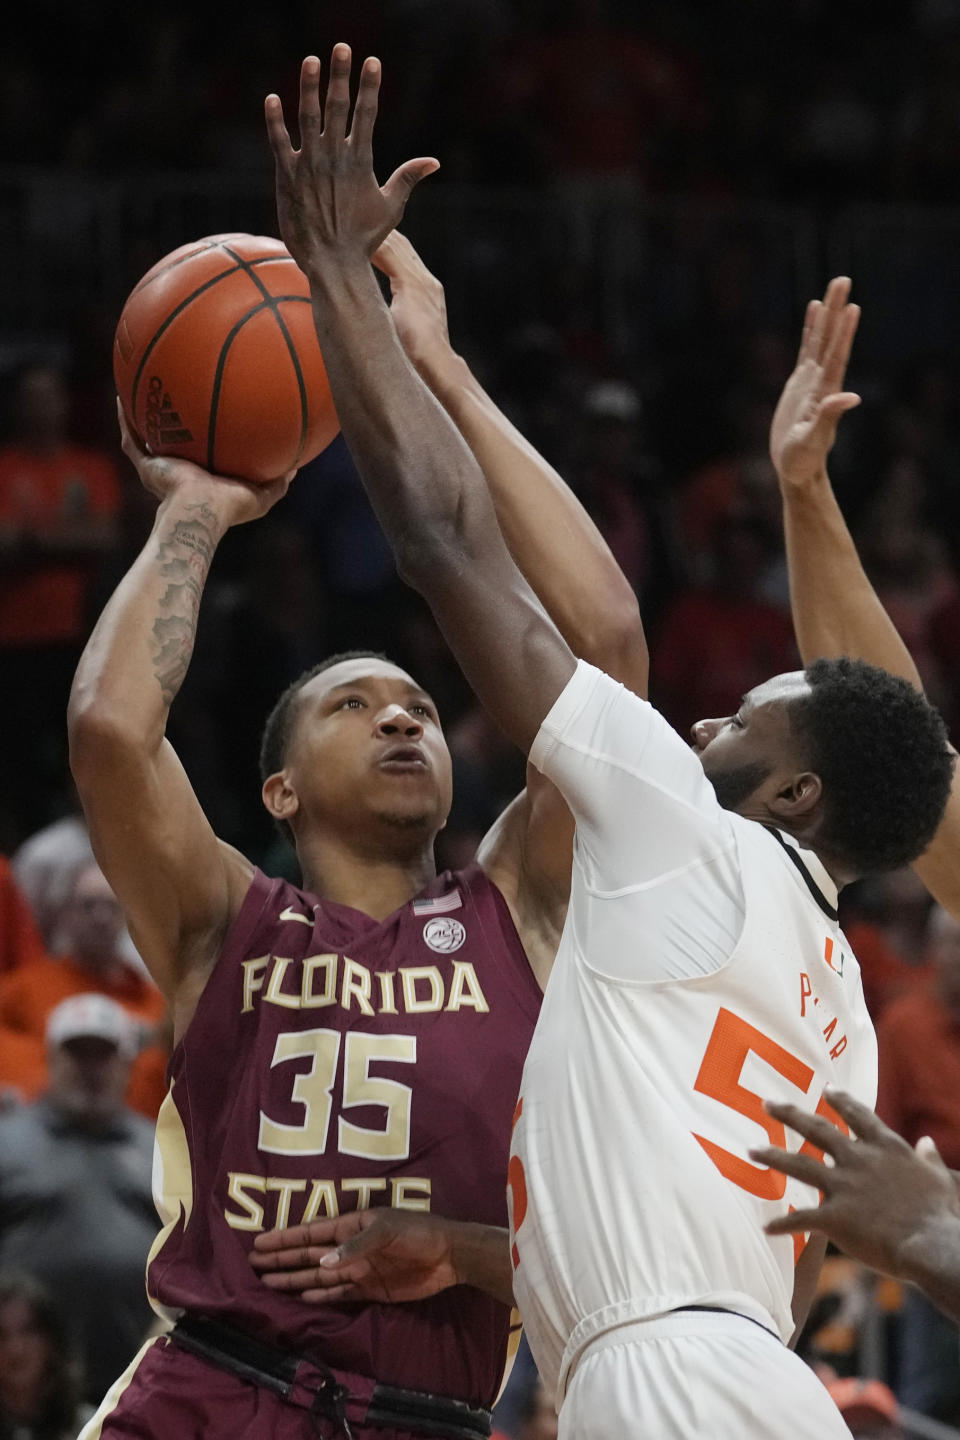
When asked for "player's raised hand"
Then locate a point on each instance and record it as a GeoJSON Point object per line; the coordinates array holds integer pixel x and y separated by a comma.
{"type": "Point", "coordinates": [328, 199]}
{"type": "Point", "coordinates": [418, 305]}
{"type": "Point", "coordinates": [369, 1255]}
{"type": "Point", "coordinates": [879, 1195]}
{"type": "Point", "coordinates": [805, 421]}
{"type": "Point", "coordinates": [234, 502]}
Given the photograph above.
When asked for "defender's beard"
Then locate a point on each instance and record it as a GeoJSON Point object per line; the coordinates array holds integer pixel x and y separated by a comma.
{"type": "Point", "coordinates": [734, 786]}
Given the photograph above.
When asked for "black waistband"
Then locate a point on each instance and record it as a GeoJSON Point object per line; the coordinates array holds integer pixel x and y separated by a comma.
{"type": "Point", "coordinates": [722, 1310]}
{"type": "Point", "coordinates": [274, 1369]}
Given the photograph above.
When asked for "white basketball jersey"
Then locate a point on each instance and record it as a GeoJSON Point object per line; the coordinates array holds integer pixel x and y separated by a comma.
{"type": "Point", "coordinates": [632, 1190]}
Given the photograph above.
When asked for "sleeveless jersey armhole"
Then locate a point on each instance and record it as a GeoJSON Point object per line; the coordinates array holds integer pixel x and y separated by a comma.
{"type": "Point", "coordinates": [502, 939]}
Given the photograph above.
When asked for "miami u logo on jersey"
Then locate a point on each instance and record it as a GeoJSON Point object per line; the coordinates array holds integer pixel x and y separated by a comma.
{"type": "Point", "coordinates": [834, 956]}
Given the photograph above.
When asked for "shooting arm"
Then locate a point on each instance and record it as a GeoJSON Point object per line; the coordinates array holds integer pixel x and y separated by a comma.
{"type": "Point", "coordinates": [179, 886]}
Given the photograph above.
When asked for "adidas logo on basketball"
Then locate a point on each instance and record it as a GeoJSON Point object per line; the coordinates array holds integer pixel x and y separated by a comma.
{"type": "Point", "coordinates": [163, 423]}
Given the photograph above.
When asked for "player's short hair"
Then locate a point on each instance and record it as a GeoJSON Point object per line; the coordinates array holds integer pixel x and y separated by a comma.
{"type": "Point", "coordinates": [280, 722]}
{"type": "Point", "coordinates": [882, 754]}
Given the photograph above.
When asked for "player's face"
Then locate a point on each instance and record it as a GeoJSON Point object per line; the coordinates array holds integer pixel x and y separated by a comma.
{"type": "Point", "coordinates": [750, 754]}
{"type": "Point", "coordinates": [367, 742]}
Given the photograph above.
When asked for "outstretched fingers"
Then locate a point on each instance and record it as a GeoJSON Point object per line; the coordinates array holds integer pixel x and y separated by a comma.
{"type": "Point", "coordinates": [863, 1121]}
{"type": "Point", "coordinates": [837, 356]}
{"type": "Point", "coordinates": [365, 110]}
{"type": "Point", "coordinates": [815, 1128]}
{"type": "Point", "coordinates": [406, 177]}
{"type": "Point", "coordinates": [336, 109]}
{"type": "Point", "coordinates": [799, 1167]}
{"type": "Point", "coordinates": [277, 132]}
{"type": "Point", "coordinates": [821, 320]}
{"type": "Point", "coordinates": [795, 1222]}
{"type": "Point", "coordinates": [809, 325]}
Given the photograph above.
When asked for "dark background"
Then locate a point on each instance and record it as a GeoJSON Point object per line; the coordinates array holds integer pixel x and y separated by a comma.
{"type": "Point", "coordinates": [644, 195]}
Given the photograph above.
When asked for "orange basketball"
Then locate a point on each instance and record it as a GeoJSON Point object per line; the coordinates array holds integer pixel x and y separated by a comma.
{"type": "Point", "coordinates": [215, 359]}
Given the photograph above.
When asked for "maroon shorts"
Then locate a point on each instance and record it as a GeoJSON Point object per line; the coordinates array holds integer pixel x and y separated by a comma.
{"type": "Point", "coordinates": [170, 1394]}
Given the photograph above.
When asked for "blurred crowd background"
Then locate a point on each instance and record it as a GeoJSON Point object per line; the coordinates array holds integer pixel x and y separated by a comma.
{"type": "Point", "coordinates": [634, 205]}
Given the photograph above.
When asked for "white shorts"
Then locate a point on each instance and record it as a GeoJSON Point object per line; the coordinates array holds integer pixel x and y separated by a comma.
{"type": "Point", "coordinates": [691, 1375]}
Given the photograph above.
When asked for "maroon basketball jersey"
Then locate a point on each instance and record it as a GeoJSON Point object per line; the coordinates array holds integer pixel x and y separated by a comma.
{"type": "Point", "coordinates": [337, 1062]}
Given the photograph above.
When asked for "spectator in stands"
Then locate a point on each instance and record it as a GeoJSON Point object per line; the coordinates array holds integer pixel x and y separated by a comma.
{"type": "Point", "coordinates": [919, 1094]}
{"type": "Point", "coordinates": [39, 1384]}
{"type": "Point", "coordinates": [20, 942]}
{"type": "Point", "coordinates": [22, 1064]}
{"type": "Point", "coordinates": [75, 1188]}
{"type": "Point", "coordinates": [537, 1417]}
{"type": "Point", "coordinates": [94, 925]}
{"type": "Point", "coordinates": [58, 507]}
{"type": "Point", "coordinates": [885, 919]}
{"type": "Point", "coordinates": [45, 867]}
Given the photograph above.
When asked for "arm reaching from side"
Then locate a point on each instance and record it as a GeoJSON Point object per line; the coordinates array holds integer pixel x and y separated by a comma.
{"type": "Point", "coordinates": [569, 566]}
{"type": "Point", "coordinates": [384, 1255]}
{"type": "Point", "coordinates": [891, 1207]}
{"type": "Point", "coordinates": [424, 483]}
{"type": "Point", "coordinates": [836, 610]}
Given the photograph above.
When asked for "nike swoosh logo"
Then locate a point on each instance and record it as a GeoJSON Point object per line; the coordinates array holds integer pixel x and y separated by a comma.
{"type": "Point", "coordinates": [291, 914]}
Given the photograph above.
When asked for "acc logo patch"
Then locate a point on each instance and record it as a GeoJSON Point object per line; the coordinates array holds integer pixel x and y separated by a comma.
{"type": "Point", "coordinates": [444, 934]}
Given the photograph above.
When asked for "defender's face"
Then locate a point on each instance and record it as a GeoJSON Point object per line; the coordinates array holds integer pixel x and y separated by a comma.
{"type": "Point", "coordinates": [367, 740]}
{"type": "Point", "coordinates": [740, 752]}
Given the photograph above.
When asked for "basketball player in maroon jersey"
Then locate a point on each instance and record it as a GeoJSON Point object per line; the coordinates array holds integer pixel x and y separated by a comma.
{"type": "Point", "coordinates": [355, 1043]}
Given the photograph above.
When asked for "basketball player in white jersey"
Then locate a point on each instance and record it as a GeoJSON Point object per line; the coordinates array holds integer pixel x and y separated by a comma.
{"type": "Point", "coordinates": [701, 964]}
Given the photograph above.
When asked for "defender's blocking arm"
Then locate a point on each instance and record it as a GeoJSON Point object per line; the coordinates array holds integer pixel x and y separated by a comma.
{"type": "Point", "coordinates": [548, 532]}
{"type": "Point", "coordinates": [836, 610]}
{"type": "Point", "coordinates": [567, 563]}
{"type": "Point", "coordinates": [422, 478]}
{"type": "Point", "coordinates": [178, 885]}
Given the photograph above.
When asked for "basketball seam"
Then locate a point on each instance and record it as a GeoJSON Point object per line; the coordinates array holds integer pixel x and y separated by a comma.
{"type": "Point", "coordinates": [162, 329]}
{"type": "Point", "coordinates": [245, 265]}
{"type": "Point", "coordinates": [266, 304]}
{"type": "Point", "coordinates": [186, 260]}
{"type": "Point", "coordinates": [271, 302]}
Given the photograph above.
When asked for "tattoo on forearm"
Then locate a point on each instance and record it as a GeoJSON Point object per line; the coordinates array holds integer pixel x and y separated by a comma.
{"type": "Point", "coordinates": [185, 554]}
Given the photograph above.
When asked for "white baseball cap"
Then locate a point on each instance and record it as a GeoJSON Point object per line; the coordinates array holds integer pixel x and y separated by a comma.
{"type": "Point", "coordinates": [95, 1015]}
